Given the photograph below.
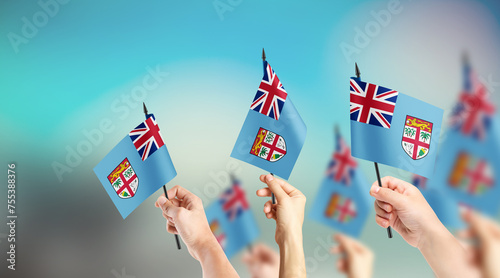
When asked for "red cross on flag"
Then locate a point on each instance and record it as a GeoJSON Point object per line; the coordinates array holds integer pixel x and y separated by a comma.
{"type": "Point", "coordinates": [416, 137]}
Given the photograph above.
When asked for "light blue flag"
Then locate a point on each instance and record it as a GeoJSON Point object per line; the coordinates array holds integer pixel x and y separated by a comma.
{"type": "Point", "coordinates": [467, 170]}
{"type": "Point", "coordinates": [469, 161]}
{"type": "Point", "coordinates": [136, 167]}
{"type": "Point", "coordinates": [273, 133]}
{"type": "Point", "coordinates": [392, 128]}
{"type": "Point", "coordinates": [342, 201]}
{"type": "Point", "coordinates": [232, 221]}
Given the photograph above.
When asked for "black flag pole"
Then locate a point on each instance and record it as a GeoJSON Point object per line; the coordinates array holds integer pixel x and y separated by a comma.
{"type": "Point", "coordinates": [164, 188]}
{"type": "Point", "coordinates": [389, 230]}
{"type": "Point", "coordinates": [273, 198]}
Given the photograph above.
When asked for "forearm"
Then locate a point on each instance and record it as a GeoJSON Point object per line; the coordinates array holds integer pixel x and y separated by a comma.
{"type": "Point", "coordinates": [214, 262]}
{"type": "Point", "coordinates": [292, 261]}
{"type": "Point", "coordinates": [444, 254]}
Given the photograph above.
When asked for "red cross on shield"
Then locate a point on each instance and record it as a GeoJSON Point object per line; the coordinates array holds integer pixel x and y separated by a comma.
{"type": "Point", "coordinates": [124, 180]}
{"type": "Point", "coordinates": [416, 139]}
{"type": "Point", "coordinates": [268, 145]}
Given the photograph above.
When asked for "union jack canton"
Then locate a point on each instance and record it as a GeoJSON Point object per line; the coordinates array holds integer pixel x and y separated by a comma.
{"type": "Point", "coordinates": [372, 104]}
{"type": "Point", "coordinates": [271, 95]}
{"type": "Point", "coordinates": [147, 138]}
{"type": "Point", "coordinates": [234, 201]}
{"type": "Point", "coordinates": [342, 165]}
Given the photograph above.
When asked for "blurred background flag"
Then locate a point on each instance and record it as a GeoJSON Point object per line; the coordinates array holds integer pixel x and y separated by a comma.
{"type": "Point", "coordinates": [470, 157]}
{"type": "Point", "coordinates": [474, 111]}
{"type": "Point", "coordinates": [342, 202]}
{"type": "Point", "coordinates": [446, 208]}
{"type": "Point", "coordinates": [403, 131]}
{"type": "Point", "coordinates": [273, 133]}
{"type": "Point", "coordinates": [232, 221]}
{"type": "Point", "coordinates": [136, 167]}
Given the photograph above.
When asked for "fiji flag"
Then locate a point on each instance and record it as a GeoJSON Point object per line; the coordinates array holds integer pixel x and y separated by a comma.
{"type": "Point", "coordinates": [342, 202]}
{"type": "Point", "coordinates": [470, 157]}
{"type": "Point", "coordinates": [136, 167]}
{"type": "Point", "coordinates": [232, 221]}
{"type": "Point", "coordinates": [391, 128]}
{"type": "Point", "coordinates": [273, 132]}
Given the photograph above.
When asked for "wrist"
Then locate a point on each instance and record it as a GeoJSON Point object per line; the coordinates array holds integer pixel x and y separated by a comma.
{"type": "Point", "coordinates": [433, 234]}
{"type": "Point", "coordinates": [289, 236]}
{"type": "Point", "coordinates": [206, 247]}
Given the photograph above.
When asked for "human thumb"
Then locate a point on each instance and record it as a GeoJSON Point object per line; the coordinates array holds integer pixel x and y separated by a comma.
{"type": "Point", "coordinates": [388, 195]}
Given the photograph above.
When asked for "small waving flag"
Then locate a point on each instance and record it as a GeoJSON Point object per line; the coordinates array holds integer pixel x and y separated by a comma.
{"type": "Point", "coordinates": [392, 128]}
{"type": "Point", "coordinates": [273, 133]}
{"type": "Point", "coordinates": [469, 162]}
{"type": "Point", "coordinates": [474, 111]}
{"type": "Point", "coordinates": [232, 221]}
{"type": "Point", "coordinates": [136, 167]}
{"type": "Point", "coordinates": [342, 202]}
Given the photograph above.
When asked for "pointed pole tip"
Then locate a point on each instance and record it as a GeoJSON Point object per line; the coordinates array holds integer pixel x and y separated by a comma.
{"type": "Point", "coordinates": [144, 108]}
{"type": "Point", "coordinates": [358, 73]}
{"type": "Point", "coordinates": [263, 54]}
{"type": "Point", "coordinates": [465, 58]}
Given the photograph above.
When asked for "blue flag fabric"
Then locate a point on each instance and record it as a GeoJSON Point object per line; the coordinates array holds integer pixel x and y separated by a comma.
{"type": "Point", "coordinates": [126, 177]}
{"type": "Point", "coordinates": [342, 201]}
{"type": "Point", "coordinates": [232, 221]}
{"type": "Point", "coordinates": [273, 133]}
{"type": "Point", "coordinates": [467, 170]}
{"type": "Point", "coordinates": [405, 135]}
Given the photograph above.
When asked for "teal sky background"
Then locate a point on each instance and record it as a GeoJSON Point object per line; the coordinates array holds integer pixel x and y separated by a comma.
{"type": "Point", "coordinates": [78, 68]}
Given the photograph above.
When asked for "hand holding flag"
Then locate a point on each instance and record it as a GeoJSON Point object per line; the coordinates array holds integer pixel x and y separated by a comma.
{"type": "Point", "coordinates": [136, 167]}
{"type": "Point", "coordinates": [289, 216]}
{"type": "Point", "coordinates": [185, 216]}
{"type": "Point", "coordinates": [401, 205]}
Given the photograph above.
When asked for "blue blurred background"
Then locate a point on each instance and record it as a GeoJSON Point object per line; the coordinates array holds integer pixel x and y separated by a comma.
{"type": "Point", "coordinates": [73, 75]}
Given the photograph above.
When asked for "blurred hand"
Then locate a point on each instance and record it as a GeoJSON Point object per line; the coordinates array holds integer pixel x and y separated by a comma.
{"type": "Point", "coordinates": [485, 254]}
{"type": "Point", "coordinates": [358, 259]}
{"type": "Point", "coordinates": [262, 262]}
{"type": "Point", "coordinates": [402, 206]}
{"type": "Point", "coordinates": [289, 208]}
{"type": "Point", "coordinates": [185, 216]}
{"type": "Point", "coordinates": [288, 212]}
